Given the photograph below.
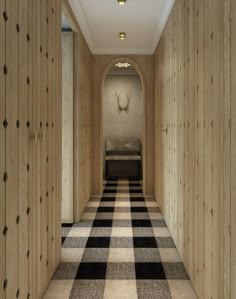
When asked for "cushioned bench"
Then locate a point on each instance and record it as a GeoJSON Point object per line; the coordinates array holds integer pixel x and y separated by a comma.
{"type": "Point", "coordinates": [123, 158]}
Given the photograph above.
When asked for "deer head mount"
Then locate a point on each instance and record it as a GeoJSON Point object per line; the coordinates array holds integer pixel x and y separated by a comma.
{"type": "Point", "coordinates": [124, 108]}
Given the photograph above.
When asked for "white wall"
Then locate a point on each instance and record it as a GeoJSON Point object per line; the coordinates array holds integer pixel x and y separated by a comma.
{"type": "Point", "coordinates": [67, 126]}
{"type": "Point", "coordinates": [117, 124]}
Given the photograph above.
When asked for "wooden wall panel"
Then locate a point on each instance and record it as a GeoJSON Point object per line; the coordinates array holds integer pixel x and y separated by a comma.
{"type": "Point", "coordinates": [2, 149]}
{"type": "Point", "coordinates": [227, 151]}
{"type": "Point", "coordinates": [196, 164]}
{"type": "Point", "coordinates": [82, 124]}
{"type": "Point", "coordinates": [233, 149]}
{"type": "Point", "coordinates": [30, 87]}
{"type": "Point", "coordinates": [23, 141]}
{"type": "Point", "coordinates": [43, 138]}
{"type": "Point", "coordinates": [12, 149]}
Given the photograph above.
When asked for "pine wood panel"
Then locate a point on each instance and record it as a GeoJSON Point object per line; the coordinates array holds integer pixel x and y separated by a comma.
{"type": "Point", "coordinates": [233, 149]}
{"type": "Point", "coordinates": [50, 138]}
{"type": "Point", "coordinates": [43, 137]}
{"type": "Point", "coordinates": [198, 46]}
{"type": "Point", "coordinates": [2, 151]}
{"type": "Point", "coordinates": [12, 147]}
{"type": "Point", "coordinates": [23, 141]}
{"type": "Point", "coordinates": [82, 124]}
{"type": "Point", "coordinates": [30, 39]}
{"type": "Point", "coordinates": [227, 149]}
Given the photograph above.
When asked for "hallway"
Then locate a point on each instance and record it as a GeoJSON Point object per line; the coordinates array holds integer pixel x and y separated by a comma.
{"type": "Point", "coordinates": [120, 249]}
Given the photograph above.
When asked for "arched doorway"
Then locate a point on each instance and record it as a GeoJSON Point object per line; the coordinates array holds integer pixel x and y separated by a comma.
{"type": "Point", "coordinates": [111, 64]}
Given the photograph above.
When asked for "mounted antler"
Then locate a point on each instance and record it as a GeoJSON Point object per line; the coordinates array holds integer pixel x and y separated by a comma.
{"type": "Point", "coordinates": [120, 108]}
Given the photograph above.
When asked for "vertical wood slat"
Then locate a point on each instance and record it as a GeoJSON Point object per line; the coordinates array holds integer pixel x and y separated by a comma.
{"type": "Point", "coordinates": [192, 157]}
{"type": "Point", "coordinates": [54, 86]}
{"type": "Point", "coordinates": [233, 149]}
{"type": "Point", "coordinates": [58, 131]}
{"type": "Point", "coordinates": [49, 141]}
{"type": "Point", "coordinates": [43, 138]}
{"type": "Point", "coordinates": [200, 127]}
{"type": "Point", "coordinates": [208, 149]}
{"type": "Point", "coordinates": [37, 148]}
{"type": "Point", "coordinates": [227, 150]}
{"type": "Point", "coordinates": [2, 150]}
{"type": "Point", "coordinates": [217, 161]}
{"type": "Point", "coordinates": [12, 149]}
{"type": "Point", "coordinates": [23, 116]}
{"type": "Point", "coordinates": [31, 208]}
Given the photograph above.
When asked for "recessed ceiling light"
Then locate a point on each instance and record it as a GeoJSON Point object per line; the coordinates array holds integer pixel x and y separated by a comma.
{"type": "Point", "coordinates": [123, 64]}
{"type": "Point", "coordinates": [122, 35]}
{"type": "Point", "coordinates": [121, 2]}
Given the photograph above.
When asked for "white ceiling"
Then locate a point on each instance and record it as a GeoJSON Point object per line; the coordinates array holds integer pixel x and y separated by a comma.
{"type": "Point", "coordinates": [102, 20]}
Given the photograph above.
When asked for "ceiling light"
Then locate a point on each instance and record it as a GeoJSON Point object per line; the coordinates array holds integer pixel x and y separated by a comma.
{"type": "Point", "coordinates": [122, 35]}
{"type": "Point", "coordinates": [121, 2]}
{"type": "Point", "coordinates": [123, 64]}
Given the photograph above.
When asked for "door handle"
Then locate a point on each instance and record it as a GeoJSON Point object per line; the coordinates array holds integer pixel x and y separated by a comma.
{"type": "Point", "coordinates": [165, 130]}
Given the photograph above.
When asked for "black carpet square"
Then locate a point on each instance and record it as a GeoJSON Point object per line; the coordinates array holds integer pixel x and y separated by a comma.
{"type": "Point", "coordinates": [67, 224]}
{"type": "Point", "coordinates": [136, 191]}
{"type": "Point", "coordinates": [102, 223]}
{"type": "Point", "coordinates": [137, 199]}
{"type": "Point", "coordinates": [149, 271]}
{"type": "Point", "coordinates": [141, 223]}
{"type": "Point", "coordinates": [144, 242]}
{"type": "Point", "coordinates": [105, 209]}
{"type": "Point", "coordinates": [108, 199]}
{"type": "Point", "coordinates": [92, 271]}
{"type": "Point", "coordinates": [110, 190]}
{"type": "Point", "coordinates": [138, 209]}
{"type": "Point", "coordinates": [98, 242]}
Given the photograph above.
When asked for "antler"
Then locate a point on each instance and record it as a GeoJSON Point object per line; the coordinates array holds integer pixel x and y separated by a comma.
{"type": "Point", "coordinates": [126, 108]}
{"type": "Point", "coordinates": [120, 108]}
{"type": "Point", "coordinates": [118, 102]}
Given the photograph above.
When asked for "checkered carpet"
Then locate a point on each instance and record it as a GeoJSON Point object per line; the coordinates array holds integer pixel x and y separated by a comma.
{"type": "Point", "coordinates": [120, 249]}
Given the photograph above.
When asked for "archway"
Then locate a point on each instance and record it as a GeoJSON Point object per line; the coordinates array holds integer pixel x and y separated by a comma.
{"type": "Point", "coordinates": [138, 70]}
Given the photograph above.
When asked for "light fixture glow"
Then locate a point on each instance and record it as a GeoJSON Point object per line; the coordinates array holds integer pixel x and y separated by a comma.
{"type": "Point", "coordinates": [122, 35]}
{"type": "Point", "coordinates": [121, 2]}
{"type": "Point", "coordinates": [123, 64]}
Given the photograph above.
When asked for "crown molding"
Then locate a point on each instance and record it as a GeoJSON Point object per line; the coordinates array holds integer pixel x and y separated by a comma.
{"type": "Point", "coordinates": [161, 25]}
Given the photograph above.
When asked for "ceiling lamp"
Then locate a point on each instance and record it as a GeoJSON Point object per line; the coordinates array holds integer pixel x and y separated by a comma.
{"type": "Point", "coordinates": [123, 64]}
{"type": "Point", "coordinates": [122, 35]}
{"type": "Point", "coordinates": [121, 2]}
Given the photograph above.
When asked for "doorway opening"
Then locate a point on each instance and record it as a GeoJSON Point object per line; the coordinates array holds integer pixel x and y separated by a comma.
{"type": "Point", "coordinates": [122, 111]}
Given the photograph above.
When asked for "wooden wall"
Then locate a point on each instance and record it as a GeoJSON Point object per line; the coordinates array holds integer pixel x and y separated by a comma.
{"type": "Point", "coordinates": [82, 124]}
{"type": "Point", "coordinates": [144, 64]}
{"type": "Point", "coordinates": [195, 140]}
{"type": "Point", "coordinates": [30, 169]}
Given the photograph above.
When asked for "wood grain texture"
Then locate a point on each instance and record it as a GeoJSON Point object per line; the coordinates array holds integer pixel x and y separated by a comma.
{"type": "Point", "coordinates": [30, 38]}
{"type": "Point", "coordinates": [82, 124]}
{"type": "Point", "coordinates": [24, 166]}
{"type": "Point", "coordinates": [233, 149]}
{"type": "Point", "coordinates": [12, 149]}
{"type": "Point", "coordinates": [2, 150]}
{"type": "Point", "coordinates": [194, 75]}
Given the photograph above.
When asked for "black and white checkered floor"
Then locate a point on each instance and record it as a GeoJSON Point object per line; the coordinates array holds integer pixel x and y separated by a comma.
{"type": "Point", "coordinates": [121, 249]}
